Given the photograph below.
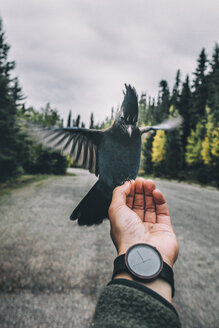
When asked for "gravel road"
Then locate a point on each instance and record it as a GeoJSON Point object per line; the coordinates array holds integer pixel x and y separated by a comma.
{"type": "Point", "coordinates": [52, 271]}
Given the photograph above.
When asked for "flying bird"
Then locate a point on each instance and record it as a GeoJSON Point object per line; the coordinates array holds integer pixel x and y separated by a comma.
{"type": "Point", "coordinates": [112, 154]}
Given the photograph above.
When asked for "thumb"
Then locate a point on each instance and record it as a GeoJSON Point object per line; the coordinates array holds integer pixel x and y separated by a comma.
{"type": "Point", "coordinates": [120, 194]}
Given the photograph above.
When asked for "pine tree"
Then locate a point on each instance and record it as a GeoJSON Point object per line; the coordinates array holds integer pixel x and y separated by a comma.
{"type": "Point", "coordinates": [16, 93]}
{"type": "Point", "coordinates": [112, 115]}
{"type": "Point", "coordinates": [210, 147]}
{"type": "Point", "coordinates": [215, 154]}
{"type": "Point", "coordinates": [91, 121]}
{"type": "Point", "coordinates": [9, 95]}
{"type": "Point", "coordinates": [173, 154]}
{"type": "Point", "coordinates": [150, 118]}
{"type": "Point", "coordinates": [185, 110]}
{"type": "Point", "coordinates": [69, 119]}
{"type": "Point", "coordinates": [175, 98]}
{"type": "Point", "coordinates": [173, 146]}
{"type": "Point", "coordinates": [213, 84]}
{"type": "Point", "coordinates": [200, 87]}
{"type": "Point", "coordinates": [77, 123]}
{"type": "Point", "coordinates": [161, 111]}
{"type": "Point", "coordinates": [142, 109]}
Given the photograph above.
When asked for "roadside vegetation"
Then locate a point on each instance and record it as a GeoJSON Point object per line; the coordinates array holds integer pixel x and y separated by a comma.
{"type": "Point", "coordinates": [21, 181]}
{"type": "Point", "coordinates": [191, 152]}
{"type": "Point", "coordinates": [19, 154]}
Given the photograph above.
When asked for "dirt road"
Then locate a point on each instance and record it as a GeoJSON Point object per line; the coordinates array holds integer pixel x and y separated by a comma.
{"type": "Point", "coordinates": [52, 271]}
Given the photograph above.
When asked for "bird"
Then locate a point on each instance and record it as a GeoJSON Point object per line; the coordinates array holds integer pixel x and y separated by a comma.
{"type": "Point", "coordinates": [112, 154]}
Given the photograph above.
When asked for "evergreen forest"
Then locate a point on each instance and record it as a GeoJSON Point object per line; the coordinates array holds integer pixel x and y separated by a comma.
{"type": "Point", "coordinates": [189, 153]}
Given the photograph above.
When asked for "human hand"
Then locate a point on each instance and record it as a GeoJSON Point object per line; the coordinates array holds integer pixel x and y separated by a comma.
{"type": "Point", "coordinates": [139, 214]}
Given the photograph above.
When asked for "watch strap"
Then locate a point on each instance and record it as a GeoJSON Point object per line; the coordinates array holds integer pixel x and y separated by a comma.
{"type": "Point", "coordinates": [166, 272]}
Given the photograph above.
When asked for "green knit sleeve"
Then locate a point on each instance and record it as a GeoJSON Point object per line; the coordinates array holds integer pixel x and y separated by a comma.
{"type": "Point", "coordinates": [124, 305]}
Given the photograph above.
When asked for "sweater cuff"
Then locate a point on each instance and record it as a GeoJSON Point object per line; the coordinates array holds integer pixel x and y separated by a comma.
{"type": "Point", "coordinates": [138, 286]}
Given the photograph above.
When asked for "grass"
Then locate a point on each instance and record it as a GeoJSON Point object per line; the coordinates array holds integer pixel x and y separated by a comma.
{"type": "Point", "coordinates": [189, 181]}
{"type": "Point", "coordinates": [71, 174]}
{"type": "Point", "coordinates": [25, 180]}
{"type": "Point", "coordinates": [21, 181]}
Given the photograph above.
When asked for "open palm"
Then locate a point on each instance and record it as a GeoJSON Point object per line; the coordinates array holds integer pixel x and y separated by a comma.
{"type": "Point", "coordinates": [139, 214]}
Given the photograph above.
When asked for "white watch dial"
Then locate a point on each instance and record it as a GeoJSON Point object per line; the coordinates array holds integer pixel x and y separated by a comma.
{"type": "Point", "coordinates": [144, 261]}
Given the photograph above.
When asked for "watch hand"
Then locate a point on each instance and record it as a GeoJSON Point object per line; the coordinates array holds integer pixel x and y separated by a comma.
{"type": "Point", "coordinates": [140, 255]}
{"type": "Point", "coordinates": [147, 260]}
{"type": "Point", "coordinates": [142, 262]}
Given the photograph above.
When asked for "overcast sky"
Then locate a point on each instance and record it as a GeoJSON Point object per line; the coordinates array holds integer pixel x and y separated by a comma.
{"type": "Point", "coordinates": [77, 54]}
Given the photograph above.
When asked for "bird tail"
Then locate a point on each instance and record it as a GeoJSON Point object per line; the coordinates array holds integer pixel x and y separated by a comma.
{"type": "Point", "coordinates": [94, 206]}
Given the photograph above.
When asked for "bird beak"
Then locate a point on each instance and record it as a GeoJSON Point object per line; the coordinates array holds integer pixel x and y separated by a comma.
{"type": "Point", "coordinates": [129, 129]}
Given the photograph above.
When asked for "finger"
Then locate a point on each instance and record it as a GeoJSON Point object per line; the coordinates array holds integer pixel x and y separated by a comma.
{"type": "Point", "coordinates": [138, 204]}
{"type": "Point", "coordinates": [162, 211]}
{"type": "Point", "coordinates": [120, 194]}
{"type": "Point", "coordinates": [150, 210]}
{"type": "Point", "coordinates": [130, 197]}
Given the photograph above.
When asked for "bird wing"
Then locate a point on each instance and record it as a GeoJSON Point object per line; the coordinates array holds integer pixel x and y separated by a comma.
{"type": "Point", "coordinates": [165, 125]}
{"type": "Point", "coordinates": [80, 143]}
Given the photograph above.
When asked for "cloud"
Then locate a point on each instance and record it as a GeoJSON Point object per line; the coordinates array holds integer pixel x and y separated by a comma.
{"type": "Point", "coordinates": [78, 54]}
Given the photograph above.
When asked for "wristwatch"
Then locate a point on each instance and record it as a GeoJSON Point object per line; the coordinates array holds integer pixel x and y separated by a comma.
{"type": "Point", "coordinates": [145, 264]}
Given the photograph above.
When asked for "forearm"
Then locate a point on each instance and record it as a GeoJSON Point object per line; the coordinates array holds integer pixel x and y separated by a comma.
{"type": "Point", "coordinates": [125, 303]}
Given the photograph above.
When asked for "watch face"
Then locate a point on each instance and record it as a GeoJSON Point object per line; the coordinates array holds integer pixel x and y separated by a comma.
{"type": "Point", "coordinates": [144, 261]}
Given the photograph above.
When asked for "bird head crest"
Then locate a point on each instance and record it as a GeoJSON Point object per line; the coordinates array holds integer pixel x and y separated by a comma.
{"type": "Point", "coordinates": [129, 108]}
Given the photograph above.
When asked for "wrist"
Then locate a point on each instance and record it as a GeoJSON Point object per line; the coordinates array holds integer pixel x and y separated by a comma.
{"type": "Point", "coordinates": [122, 249]}
{"type": "Point", "coordinates": [144, 264]}
{"type": "Point", "coordinates": [159, 285]}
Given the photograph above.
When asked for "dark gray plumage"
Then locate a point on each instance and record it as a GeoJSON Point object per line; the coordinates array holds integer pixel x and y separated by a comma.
{"type": "Point", "coordinates": [112, 154]}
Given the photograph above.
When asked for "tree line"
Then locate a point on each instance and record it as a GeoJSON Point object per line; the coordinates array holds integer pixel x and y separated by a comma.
{"type": "Point", "coordinates": [188, 153]}
{"type": "Point", "coordinates": [192, 151]}
{"type": "Point", "coordinates": [19, 153]}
